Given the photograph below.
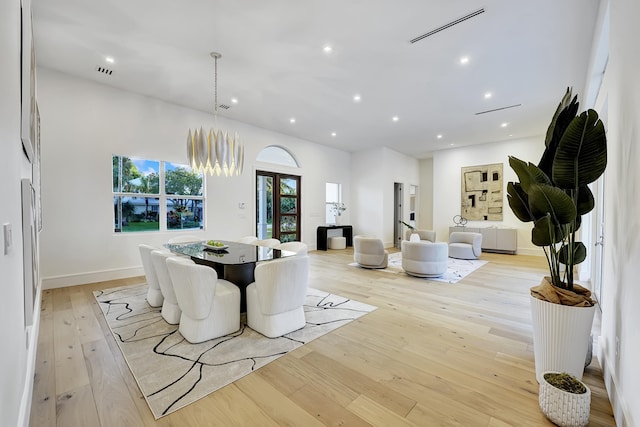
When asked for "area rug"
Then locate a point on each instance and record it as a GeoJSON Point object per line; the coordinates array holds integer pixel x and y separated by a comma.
{"type": "Point", "coordinates": [456, 268]}
{"type": "Point", "coordinates": [173, 373]}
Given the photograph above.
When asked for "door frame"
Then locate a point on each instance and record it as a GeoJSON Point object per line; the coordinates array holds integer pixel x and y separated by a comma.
{"type": "Point", "coordinates": [275, 226]}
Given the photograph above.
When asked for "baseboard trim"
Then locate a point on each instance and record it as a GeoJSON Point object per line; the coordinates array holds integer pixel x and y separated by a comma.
{"type": "Point", "coordinates": [618, 404]}
{"type": "Point", "coordinates": [90, 277]}
{"type": "Point", "coordinates": [32, 339]}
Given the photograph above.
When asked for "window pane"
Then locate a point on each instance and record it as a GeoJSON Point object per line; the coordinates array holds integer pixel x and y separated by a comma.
{"type": "Point", "coordinates": [288, 205]}
{"type": "Point", "coordinates": [288, 186]}
{"type": "Point", "coordinates": [181, 180]}
{"type": "Point", "coordinates": [184, 214]}
{"type": "Point", "coordinates": [332, 192]}
{"type": "Point", "coordinates": [288, 223]}
{"type": "Point", "coordinates": [288, 237]}
{"type": "Point", "coordinates": [135, 214]}
{"type": "Point", "coordinates": [135, 175]}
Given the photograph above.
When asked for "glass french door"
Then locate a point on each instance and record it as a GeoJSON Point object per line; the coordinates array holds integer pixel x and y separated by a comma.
{"type": "Point", "coordinates": [277, 206]}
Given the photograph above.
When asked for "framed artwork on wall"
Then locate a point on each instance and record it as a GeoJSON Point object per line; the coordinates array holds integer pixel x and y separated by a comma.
{"type": "Point", "coordinates": [30, 249]}
{"type": "Point", "coordinates": [481, 198]}
{"type": "Point", "coordinates": [28, 82]}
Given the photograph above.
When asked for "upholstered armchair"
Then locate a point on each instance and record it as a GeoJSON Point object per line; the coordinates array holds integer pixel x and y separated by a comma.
{"type": "Point", "coordinates": [210, 306]}
{"type": "Point", "coordinates": [275, 300]}
{"type": "Point", "coordinates": [298, 247]}
{"type": "Point", "coordinates": [369, 252]}
{"type": "Point", "coordinates": [465, 245]}
{"type": "Point", "coordinates": [269, 243]}
{"type": "Point", "coordinates": [154, 294]}
{"type": "Point", "coordinates": [170, 309]}
{"type": "Point", "coordinates": [424, 259]}
{"type": "Point", "coordinates": [429, 235]}
{"type": "Point", "coordinates": [249, 240]}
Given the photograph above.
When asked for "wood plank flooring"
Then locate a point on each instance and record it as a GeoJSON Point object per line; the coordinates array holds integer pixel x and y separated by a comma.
{"type": "Point", "coordinates": [432, 354]}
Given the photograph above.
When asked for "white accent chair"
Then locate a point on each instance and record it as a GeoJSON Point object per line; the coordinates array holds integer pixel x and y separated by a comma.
{"type": "Point", "coordinates": [275, 301]}
{"type": "Point", "coordinates": [298, 247]}
{"type": "Point", "coordinates": [170, 310]}
{"type": "Point", "coordinates": [465, 245]}
{"type": "Point", "coordinates": [187, 238]}
{"type": "Point", "coordinates": [424, 259]}
{"type": "Point", "coordinates": [210, 306]}
{"type": "Point", "coordinates": [249, 240]}
{"type": "Point", "coordinates": [429, 235]}
{"type": "Point", "coordinates": [154, 294]}
{"type": "Point", "coordinates": [369, 252]}
{"type": "Point", "coordinates": [269, 243]}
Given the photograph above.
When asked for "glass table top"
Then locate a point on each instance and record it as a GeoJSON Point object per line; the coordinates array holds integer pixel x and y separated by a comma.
{"type": "Point", "coordinates": [235, 253]}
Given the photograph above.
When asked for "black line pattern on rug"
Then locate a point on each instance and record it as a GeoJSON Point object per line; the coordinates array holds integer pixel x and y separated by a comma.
{"type": "Point", "coordinates": [136, 322]}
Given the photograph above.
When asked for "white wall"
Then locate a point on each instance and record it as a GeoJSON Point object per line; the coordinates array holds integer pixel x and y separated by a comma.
{"type": "Point", "coordinates": [84, 123]}
{"type": "Point", "coordinates": [447, 184]}
{"type": "Point", "coordinates": [374, 173]}
{"type": "Point", "coordinates": [17, 360]}
{"type": "Point", "coordinates": [621, 293]}
{"type": "Point", "coordinates": [425, 199]}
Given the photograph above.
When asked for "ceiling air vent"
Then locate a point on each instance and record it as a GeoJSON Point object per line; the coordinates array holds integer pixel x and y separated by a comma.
{"type": "Point", "coordinates": [449, 25]}
{"type": "Point", "coordinates": [224, 106]}
{"type": "Point", "coordinates": [498, 109]}
{"type": "Point", "coordinates": [103, 70]}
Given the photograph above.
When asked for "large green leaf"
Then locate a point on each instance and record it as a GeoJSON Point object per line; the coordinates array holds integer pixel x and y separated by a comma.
{"type": "Point", "coordinates": [528, 173]}
{"type": "Point", "coordinates": [519, 202]}
{"type": "Point", "coordinates": [581, 156]}
{"type": "Point", "coordinates": [545, 233]}
{"type": "Point", "coordinates": [579, 253]}
{"type": "Point", "coordinates": [585, 202]}
{"type": "Point", "coordinates": [546, 199]}
{"type": "Point", "coordinates": [565, 113]}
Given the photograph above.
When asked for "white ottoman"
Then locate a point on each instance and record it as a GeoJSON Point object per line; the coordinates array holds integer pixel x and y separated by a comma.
{"type": "Point", "coordinates": [337, 242]}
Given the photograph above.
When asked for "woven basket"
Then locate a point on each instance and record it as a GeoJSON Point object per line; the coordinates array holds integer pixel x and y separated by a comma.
{"type": "Point", "coordinates": [563, 408]}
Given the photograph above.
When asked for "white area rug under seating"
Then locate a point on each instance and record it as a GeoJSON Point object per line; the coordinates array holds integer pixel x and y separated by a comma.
{"type": "Point", "coordinates": [456, 268]}
{"type": "Point", "coordinates": [173, 373]}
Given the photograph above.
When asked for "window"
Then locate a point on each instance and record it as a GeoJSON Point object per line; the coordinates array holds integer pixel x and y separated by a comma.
{"type": "Point", "coordinates": [333, 200]}
{"type": "Point", "coordinates": [153, 195]}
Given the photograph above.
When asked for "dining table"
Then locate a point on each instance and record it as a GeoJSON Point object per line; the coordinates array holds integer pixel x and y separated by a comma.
{"type": "Point", "coordinates": [233, 261]}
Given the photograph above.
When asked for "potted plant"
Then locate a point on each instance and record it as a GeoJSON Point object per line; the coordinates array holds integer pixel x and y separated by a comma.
{"type": "Point", "coordinates": [564, 399]}
{"type": "Point", "coordinates": [554, 195]}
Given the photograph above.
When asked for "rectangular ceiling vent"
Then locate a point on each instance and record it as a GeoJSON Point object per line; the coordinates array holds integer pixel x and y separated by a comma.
{"type": "Point", "coordinates": [498, 109]}
{"type": "Point", "coordinates": [449, 25]}
{"type": "Point", "coordinates": [224, 106]}
{"type": "Point", "coordinates": [103, 70]}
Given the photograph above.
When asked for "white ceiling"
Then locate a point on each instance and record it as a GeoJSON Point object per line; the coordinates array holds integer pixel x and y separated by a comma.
{"type": "Point", "coordinates": [523, 52]}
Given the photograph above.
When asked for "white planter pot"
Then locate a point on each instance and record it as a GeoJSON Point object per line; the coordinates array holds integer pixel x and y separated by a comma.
{"type": "Point", "coordinates": [561, 337]}
{"type": "Point", "coordinates": [563, 408]}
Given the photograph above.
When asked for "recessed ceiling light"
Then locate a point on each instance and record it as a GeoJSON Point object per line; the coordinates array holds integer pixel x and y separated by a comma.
{"type": "Point", "coordinates": [109, 59]}
{"type": "Point", "coordinates": [464, 60]}
{"type": "Point", "coordinates": [234, 100]}
{"type": "Point", "coordinates": [510, 134]}
{"type": "Point", "coordinates": [356, 98]}
{"type": "Point", "coordinates": [395, 118]}
{"type": "Point", "coordinates": [439, 136]}
{"type": "Point", "coordinates": [333, 134]}
{"type": "Point", "coordinates": [452, 144]}
{"type": "Point", "coordinates": [488, 95]}
{"type": "Point", "coordinates": [504, 125]}
{"type": "Point", "coordinates": [292, 120]}
{"type": "Point", "coordinates": [327, 49]}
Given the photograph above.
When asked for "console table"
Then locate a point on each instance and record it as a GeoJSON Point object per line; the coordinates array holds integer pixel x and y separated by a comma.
{"type": "Point", "coordinates": [321, 237]}
{"type": "Point", "coordinates": [502, 240]}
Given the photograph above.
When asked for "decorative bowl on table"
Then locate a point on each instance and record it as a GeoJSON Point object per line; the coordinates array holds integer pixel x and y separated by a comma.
{"type": "Point", "coordinates": [215, 245]}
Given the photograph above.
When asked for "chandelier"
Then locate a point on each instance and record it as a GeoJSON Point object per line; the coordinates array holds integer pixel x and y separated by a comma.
{"type": "Point", "coordinates": [215, 152]}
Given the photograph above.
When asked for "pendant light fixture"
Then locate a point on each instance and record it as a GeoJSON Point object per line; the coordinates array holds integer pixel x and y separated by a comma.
{"type": "Point", "coordinates": [215, 152]}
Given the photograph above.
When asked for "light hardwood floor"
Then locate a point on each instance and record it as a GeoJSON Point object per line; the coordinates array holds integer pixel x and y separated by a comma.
{"type": "Point", "coordinates": [431, 354]}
